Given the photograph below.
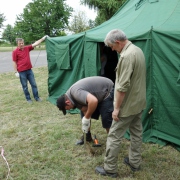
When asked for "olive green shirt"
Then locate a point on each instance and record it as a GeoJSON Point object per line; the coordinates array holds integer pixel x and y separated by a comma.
{"type": "Point", "coordinates": [131, 79]}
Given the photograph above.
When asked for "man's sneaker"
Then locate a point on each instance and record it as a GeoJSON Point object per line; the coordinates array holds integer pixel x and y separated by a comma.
{"type": "Point", "coordinates": [100, 170]}
{"type": "Point", "coordinates": [126, 161]}
{"type": "Point", "coordinates": [38, 100]}
{"type": "Point", "coordinates": [29, 101]}
{"type": "Point", "coordinates": [88, 138]}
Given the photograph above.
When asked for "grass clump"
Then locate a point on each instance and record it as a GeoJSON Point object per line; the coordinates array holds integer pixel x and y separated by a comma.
{"type": "Point", "coordinates": [39, 141]}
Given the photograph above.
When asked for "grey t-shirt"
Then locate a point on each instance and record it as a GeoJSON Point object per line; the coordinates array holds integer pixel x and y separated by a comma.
{"type": "Point", "coordinates": [98, 86]}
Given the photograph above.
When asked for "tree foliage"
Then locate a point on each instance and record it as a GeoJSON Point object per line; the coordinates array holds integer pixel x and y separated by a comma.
{"type": "Point", "coordinates": [91, 24]}
{"type": "Point", "coordinates": [39, 18]}
{"type": "Point", "coordinates": [9, 34]}
{"type": "Point", "coordinates": [80, 22]}
{"type": "Point", "coordinates": [106, 9]}
{"type": "Point", "coordinates": [2, 19]}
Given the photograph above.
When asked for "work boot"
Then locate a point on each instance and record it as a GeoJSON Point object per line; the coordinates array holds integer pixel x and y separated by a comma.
{"type": "Point", "coordinates": [100, 170]}
{"type": "Point", "coordinates": [88, 138]}
{"type": "Point", "coordinates": [126, 161]}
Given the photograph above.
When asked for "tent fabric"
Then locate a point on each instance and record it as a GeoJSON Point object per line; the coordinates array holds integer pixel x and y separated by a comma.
{"type": "Point", "coordinates": [154, 26]}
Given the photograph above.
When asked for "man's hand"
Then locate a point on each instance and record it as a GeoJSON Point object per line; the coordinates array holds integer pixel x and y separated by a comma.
{"type": "Point", "coordinates": [17, 74]}
{"type": "Point", "coordinates": [85, 124]}
{"type": "Point", "coordinates": [46, 36]}
{"type": "Point", "coordinates": [115, 114]}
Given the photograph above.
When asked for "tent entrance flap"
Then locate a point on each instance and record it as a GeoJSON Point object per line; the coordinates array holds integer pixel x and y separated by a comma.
{"type": "Point", "coordinates": [62, 56]}
{"type": "Point", "coordinates": [92, 63]}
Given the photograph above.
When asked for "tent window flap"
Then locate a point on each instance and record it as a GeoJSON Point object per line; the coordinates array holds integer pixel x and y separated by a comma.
{"type": "Point", "coordinates": [62, 56]}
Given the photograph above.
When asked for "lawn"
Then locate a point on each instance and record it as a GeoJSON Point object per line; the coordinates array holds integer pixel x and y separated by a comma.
{"type": "Point", "coordinates": [39, 141]}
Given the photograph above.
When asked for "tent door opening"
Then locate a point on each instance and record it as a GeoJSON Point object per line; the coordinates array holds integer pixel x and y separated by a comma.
{"type": "Point", "coordinates": [109, 60]}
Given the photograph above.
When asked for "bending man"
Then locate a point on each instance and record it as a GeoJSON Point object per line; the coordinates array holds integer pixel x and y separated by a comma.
{"type": "Point", "coordinates": [94, 97]}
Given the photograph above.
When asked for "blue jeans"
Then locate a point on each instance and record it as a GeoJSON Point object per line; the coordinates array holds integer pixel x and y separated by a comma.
{"type": "Point", "coordinates": [26, 76]}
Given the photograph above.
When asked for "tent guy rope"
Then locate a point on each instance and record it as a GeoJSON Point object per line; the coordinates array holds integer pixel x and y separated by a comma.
{"type": "Point", "coordinates": [2, 154]}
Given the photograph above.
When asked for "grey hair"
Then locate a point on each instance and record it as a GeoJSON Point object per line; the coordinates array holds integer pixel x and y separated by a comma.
{"type": "Point", "coordinates": [19, 39]}
{"type": "Point", "coordinates": [113, 36]}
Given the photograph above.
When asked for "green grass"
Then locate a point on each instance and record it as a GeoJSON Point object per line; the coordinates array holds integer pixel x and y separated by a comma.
{"type": "Point", "coordinates": [39, 141]}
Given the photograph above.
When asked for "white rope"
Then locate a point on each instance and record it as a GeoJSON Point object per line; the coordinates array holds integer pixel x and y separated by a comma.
{"type": "Point", "coordinates": [2, 154]}
{"type": "Point", "coordinates": [37, 58]}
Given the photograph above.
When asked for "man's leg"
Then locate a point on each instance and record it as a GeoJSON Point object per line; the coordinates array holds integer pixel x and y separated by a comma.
{"type": "Point", "coordinates": [116, 133]}
{"type": "Point", "coordinates": [30, 77]}
{"type": "Point", "coordinates": [23, 80]}
{"type": "Point", "coordinates": [135, 130]}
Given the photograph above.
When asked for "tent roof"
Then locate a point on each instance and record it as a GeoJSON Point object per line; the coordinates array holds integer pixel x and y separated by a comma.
{"type": "Point", "coordinates": [137, 17]}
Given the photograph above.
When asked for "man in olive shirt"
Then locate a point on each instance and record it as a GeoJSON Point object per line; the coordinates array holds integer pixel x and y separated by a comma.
{"type": "Point", "coordinates": [129, 102]}
{"type": "Point", "coordinates": [94, 97]}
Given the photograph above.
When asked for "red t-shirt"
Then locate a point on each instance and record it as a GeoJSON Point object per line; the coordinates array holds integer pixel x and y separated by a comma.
{"type": "Point", "coordinates": [22, 58]}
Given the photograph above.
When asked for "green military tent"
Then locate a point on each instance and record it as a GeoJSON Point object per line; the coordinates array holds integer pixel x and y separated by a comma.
{"type": "Point", "coordinates": [154, 26]}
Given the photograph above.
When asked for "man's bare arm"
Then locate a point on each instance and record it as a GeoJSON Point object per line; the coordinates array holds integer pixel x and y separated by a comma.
{"type": "Point", "coordinates": [92, 105]}
{"type": "Point", "coordinates": [39, 41]}
{"type": "Point", "coordinates": [15, 66]}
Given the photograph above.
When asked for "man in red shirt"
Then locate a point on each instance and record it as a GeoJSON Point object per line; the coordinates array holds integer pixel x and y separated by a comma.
{"type": "Point", "coordinates": [22, 66]}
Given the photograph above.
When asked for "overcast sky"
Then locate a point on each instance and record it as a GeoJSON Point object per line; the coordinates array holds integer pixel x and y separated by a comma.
{"type": "Point", "coordinates": [11, 8]}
